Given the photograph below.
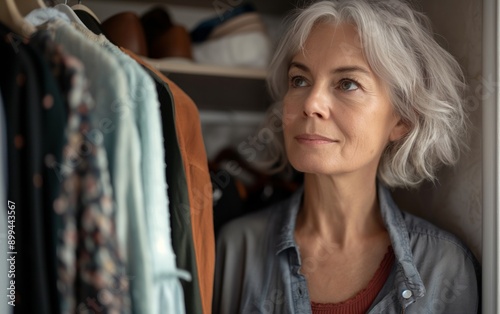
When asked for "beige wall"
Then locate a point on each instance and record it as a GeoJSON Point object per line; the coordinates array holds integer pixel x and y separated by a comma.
{"type": "Point", "coordinates": [455, 202]}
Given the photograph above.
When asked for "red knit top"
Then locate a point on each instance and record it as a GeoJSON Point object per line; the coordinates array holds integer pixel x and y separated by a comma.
{"type": "Point", "coordinates": [360, 303]}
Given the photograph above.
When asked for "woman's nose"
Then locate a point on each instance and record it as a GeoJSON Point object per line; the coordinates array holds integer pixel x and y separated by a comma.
{"type": "Point", "coordinates": [317, 104]}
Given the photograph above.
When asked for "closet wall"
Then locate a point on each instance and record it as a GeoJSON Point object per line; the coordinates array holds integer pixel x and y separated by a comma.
{"type": "Point", "coordinates": [454, 202]}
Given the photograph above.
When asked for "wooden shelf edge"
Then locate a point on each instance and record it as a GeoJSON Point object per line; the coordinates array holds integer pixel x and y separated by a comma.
{"type": "Point", "coordinates": [174, 66]}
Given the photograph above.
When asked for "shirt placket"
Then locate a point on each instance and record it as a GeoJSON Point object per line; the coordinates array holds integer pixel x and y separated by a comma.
{"type": "Point", "coordinates": [299, 288]}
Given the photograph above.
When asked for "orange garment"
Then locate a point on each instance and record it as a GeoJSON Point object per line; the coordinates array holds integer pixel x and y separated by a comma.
{"type": "Point", "coordinates": [195, 162]}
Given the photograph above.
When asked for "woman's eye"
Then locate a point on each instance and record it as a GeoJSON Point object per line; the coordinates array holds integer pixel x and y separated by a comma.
{"type": "Point", "coordinates": [348, 85]}
{"type": "Point", "coordinates": [298, 81]}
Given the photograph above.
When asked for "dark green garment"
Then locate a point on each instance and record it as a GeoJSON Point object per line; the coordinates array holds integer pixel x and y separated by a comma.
{"type": "Point", "coordinates": [180, 214]}
{"type": "Point", "coordinates": [53, 124]}
{"type": "Point", "coordinates": [28, 90]}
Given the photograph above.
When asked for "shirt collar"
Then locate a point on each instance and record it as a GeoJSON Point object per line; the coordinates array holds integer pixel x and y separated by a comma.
{"type": "Point", "coordinates": [407, 278]}
{"type": "Point", "coordinates": [287, 216]}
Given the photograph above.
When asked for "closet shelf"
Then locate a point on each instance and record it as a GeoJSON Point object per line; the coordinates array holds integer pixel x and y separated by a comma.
{"type": "Point", "coordinates": [216, 87]}
{"type": "Point", "coordinates": [264, 6]}
{"type": "Point", "coordinates": [187, 67]}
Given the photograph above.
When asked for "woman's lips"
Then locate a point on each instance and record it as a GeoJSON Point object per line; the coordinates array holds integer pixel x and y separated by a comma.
{"type": "Point", "coordinates": [313, 139]}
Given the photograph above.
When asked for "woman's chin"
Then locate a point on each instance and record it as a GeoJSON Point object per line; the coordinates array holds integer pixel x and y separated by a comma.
{"type": "Point", "coordinates": [313, 166]}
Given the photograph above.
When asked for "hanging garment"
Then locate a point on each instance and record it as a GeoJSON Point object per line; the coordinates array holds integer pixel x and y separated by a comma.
{"type": "Point", "coordinates": [35, 113]}
{"type": "Point", "coordinates": [91, 274]}
{"type": "Point", "coordinates": [199, 186]}
{"type": "Point", "coordinates": [167, 291]}
{"type": "Point", "coordinates": [115, 126]}
{"type": "Point", "coordinates": [40, 16]}
{"type": "Point", "coordinates": [128, 109]}
{"type": "Point", "coordinates": [54, 119]}
{"type": "Point", "coordinates": [53, 124]}
{"type": "Point", "coordinates": [182, 238]}
{"type": "Point", "coordinates": [23, 91]}
{"type": "Point", "coordinates": [4, 265]}
{"type": "Point", "coordinates": [180, 209]}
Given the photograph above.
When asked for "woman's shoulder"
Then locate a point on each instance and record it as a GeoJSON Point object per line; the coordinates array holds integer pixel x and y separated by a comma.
{"type": "Point", "coordinates": [416, 236]}
{"type": "Point", "coordinates": [424, 233]}
{"type": "Point", "coordinates": [449, 270]}
{"type": "Point", "coordinates": [440, 254]}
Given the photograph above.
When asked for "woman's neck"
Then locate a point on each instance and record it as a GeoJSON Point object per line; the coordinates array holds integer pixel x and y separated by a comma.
{"type": "Point", "coordinates": [341, 211]}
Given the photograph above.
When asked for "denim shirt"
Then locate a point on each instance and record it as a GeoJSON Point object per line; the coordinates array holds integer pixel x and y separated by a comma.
{"type": "Point", "coordinates": [258, 265]}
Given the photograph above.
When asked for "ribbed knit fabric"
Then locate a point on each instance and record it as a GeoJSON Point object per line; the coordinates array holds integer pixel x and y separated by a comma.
{"type": "Point", "coordinates": [360, 303]}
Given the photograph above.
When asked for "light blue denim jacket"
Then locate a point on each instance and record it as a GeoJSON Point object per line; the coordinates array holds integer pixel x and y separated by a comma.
{"type": "Point", "coordinates": [258, 266]}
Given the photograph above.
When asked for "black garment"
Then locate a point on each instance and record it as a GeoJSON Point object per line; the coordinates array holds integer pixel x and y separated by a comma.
{"type": "Point", "coordinates": [228, 204]}
{"type": "Point", "coordinates": [273, 192]}
{"type": "Point", "coordinates": [26, 85]}
{"type": "Point", "coordinates": [180, 213]}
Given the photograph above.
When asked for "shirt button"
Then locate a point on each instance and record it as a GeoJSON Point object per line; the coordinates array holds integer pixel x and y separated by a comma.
{"type": "Point", "coordinates": [407, 294]}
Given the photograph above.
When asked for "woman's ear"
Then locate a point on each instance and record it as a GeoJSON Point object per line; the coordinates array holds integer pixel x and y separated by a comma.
{"type": "Point", "coordinates": [399, 130]}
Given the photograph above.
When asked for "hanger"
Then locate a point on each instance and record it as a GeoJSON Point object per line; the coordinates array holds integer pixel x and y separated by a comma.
{"type": "Point", "coordinates": [27, 6]}
{"type": "Point", "coordinates": [82, 7]}
{"type": "Point", "coordinates": [64, 8]}
{"type": "Point", "coordinates": [12, 18]}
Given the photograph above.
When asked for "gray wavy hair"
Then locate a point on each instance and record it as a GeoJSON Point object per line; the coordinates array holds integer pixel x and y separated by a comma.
{"type": "Point", "coordinates": [426, 84]}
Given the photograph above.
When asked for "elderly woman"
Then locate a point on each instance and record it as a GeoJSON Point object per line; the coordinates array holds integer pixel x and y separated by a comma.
{"type": "Point", "coordinates": [369, 102]}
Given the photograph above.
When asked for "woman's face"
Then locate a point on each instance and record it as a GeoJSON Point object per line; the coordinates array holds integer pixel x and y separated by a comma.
{"type": "Point", "coordinates": [337, 113]}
